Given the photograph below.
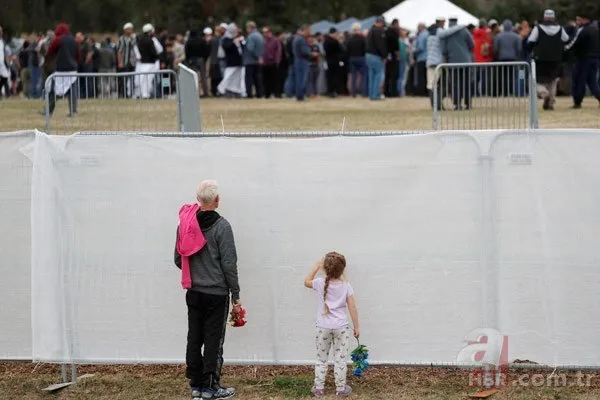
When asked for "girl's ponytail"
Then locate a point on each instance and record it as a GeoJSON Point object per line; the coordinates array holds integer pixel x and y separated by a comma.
{"type": "Point", "coordinates": [325, 306]}
{"type": "Point", "coordinates": [333, 265]}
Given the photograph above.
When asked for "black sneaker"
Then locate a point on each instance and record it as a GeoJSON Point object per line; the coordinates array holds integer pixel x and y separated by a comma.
{"type": "Point", "coordinates": [576, 106]}
{"type": "Point", "coordinates": [217, 392]}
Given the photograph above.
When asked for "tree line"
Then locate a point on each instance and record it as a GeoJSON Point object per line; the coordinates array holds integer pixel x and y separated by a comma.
{"type": "Point", "coordinates": [18, 16]}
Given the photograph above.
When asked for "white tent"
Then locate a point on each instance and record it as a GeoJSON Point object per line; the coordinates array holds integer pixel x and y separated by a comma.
{"type": "Point", "coordinates": [412, 12]}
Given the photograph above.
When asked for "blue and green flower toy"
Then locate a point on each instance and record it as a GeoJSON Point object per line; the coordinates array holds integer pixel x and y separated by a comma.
{"type": "Point", "coordinates": [360, 359]}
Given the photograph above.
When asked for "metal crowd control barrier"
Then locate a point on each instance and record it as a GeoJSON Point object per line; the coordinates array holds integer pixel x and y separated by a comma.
{"type": "Point", "coordinates": [189, 100]}
{"type": "Point", "coordinates": [131, 101]}
{"type": "Point", "coordinates": [499, 95]}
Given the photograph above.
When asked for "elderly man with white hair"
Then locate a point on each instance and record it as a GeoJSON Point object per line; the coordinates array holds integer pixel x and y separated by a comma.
{"type": "Point", "coordinates": [205, 252]}
{"type": "Point", "coordinates": [148, 50]}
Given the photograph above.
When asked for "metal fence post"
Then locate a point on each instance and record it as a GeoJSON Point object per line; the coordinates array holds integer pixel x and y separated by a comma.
{"type": "Point", "coordinates": [436, 100]}
{"type": "Point", "coordinates": [48, 82]}
{"type": "Point", "coordinates": [189, 100]}
{"type": "Point", "coordinates": [533, 113]}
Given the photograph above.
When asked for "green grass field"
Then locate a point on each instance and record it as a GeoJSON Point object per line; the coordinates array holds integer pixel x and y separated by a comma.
{"type": "Point", "coordinates": [320, 114]}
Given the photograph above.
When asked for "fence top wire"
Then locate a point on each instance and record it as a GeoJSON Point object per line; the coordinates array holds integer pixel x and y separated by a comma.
{"type": "Point", "coordinates": [110, 74]}
{"type": "Point", "coordinates": [304, 134]}
{"type": "Point", "coordinates": [486, 64]}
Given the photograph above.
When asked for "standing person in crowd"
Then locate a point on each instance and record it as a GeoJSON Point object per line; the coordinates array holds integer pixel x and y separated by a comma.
{"type": "Point", "coordinates": [197, 51]}
{"type": "Point", "coordinates": [483, 51]}
{"type": "Point", "coordinates": [215, 69]}
{"type": "Point", "coordinates": [25, 72]}
{"type": "Point", "coordinates": [149, 51]}
{"type": "Point", "coordinates": [403, 61]}
{"type": "Point", "coordinates": [289, 86]}
{"type": "Point", "coordinates": [322, 81]}
{"type": "Point", "coordinates": [524, 32]}
{"type": "Point", "coordinates": [586, 46]}
{"type": "Point", "coordinates": [84, 65]}
{"type": "Point", "coordinates": [302, 55]}
{"type": "Point", "coordinates": [63, 54]}
{"type": "Point", "coordinates": [420, 55]}
{"type": "Point", "coordinates": [457, 46]}
{"type": "Point", "coordinates": [357, 48]}
{"type": "Point", "coordinates": [95, 51]}
{"type": "Point", "coordinates": [334, 58]}
{"type": "Point", "coordinates": [42, 50]}
{"type": "Point", "coordinates": [508, 47]}
{"type": "Point", "coordinates": [4, 69]}
{"type": "Point", "coordinates": [232, 84]}
{"type": "Point", "coordinates": [210, 277]}
{"type": "Point", "coordinates": [494, 28]}
{"type": "Point", "coordinates": [221, 54]}
{"type": "Point", "coordinates": [565, 84]}
{"type": "Point", "coordinates": [272, 62]}
{"type": "Point", "coordinates": [434, 58]}
{"type": "Point", "coordinates": [107, 63]}
{"type": "Point", "coordinates": [126, 60]}
{"type": "Point", "coordinates": [336, 301]}
{"type": "Point", "coordinates": [34, 66]}
{"type": "Point", "coordinates": [376, 55]}
{"type": "Point", "coordinates": [548, 40]}
{"type": "Point", "coordinates": [392, 34]}
{"type": "Point", "coordinates": [312, 89]}
{"type": "Point", "coordinates": [179, 48]}
{"type": "Point", "coordinates": [284, 65]}
{"type": "Point", "coordinates": [253, 61]}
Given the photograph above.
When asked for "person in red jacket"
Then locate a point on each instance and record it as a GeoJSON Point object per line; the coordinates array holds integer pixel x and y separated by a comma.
{"type": "Point", "coordinates": [482, 53]}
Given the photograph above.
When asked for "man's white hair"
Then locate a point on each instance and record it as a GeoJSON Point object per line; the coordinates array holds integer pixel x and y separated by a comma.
{"type": "Point", "coordinates": [207, 192]}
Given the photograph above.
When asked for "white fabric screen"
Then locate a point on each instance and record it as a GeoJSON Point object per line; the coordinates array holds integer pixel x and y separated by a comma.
{"type": "Point", "coordinates": [15, 246]}
{"type": "Point", "coordinates": [439, 240]}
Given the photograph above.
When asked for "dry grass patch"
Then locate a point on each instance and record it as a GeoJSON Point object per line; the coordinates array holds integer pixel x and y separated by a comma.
{"type": "Point", "coordinates": [25, 381]}
{"type": "Point", "coordinates": [321, 114]}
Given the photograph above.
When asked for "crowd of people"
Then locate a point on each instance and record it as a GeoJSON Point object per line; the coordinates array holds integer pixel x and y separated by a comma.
{"type": "Point", "coordinates": [383, 61]}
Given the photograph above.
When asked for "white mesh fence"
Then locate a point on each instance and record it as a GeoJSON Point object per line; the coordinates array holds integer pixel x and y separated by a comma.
{"type": "Point", "coordinates": [15, 246]}
{"type": "Point", "coordinates": [444, 233]}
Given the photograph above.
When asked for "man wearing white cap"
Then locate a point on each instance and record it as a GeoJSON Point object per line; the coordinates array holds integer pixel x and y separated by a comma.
{"type": "Point", "coordinates": [148, 49]}
{"type": "Point", "coordinates": [126, 60]}
{"type": "Point", "coordinates": [548, 40]}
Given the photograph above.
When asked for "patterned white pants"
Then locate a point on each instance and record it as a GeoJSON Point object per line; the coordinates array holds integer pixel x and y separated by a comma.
{"type": "Point", "coordinates": [339, 340]}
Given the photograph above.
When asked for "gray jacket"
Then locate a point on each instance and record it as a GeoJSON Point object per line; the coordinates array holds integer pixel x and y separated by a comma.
{"type": "Point", "coordinates": [508, 45]}
{"type": "Point", "coordinates": [255, 47]}
{"type": "Point", "coordinates": [214, 268]}
{"type": "Point", "coordinates": [434, 52]}
{"type": "Point", "coordinates": [457, 44]}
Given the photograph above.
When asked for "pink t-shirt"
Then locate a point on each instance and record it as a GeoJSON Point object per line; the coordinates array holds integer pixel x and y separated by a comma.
{"type": "Point", "coordinates": [337, 293]}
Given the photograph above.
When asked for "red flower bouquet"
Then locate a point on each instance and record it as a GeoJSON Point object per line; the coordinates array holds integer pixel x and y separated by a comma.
{"type": "Point", "coordinates": [237, 318]}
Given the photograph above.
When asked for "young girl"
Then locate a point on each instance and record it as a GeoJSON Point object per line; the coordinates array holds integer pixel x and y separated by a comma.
{"type": "Point", "coordinates": [336, 298]}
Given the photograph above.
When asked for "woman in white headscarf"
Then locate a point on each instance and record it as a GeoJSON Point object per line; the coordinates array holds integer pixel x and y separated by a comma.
{"type": "Point", "coordinates": [233, 83]}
